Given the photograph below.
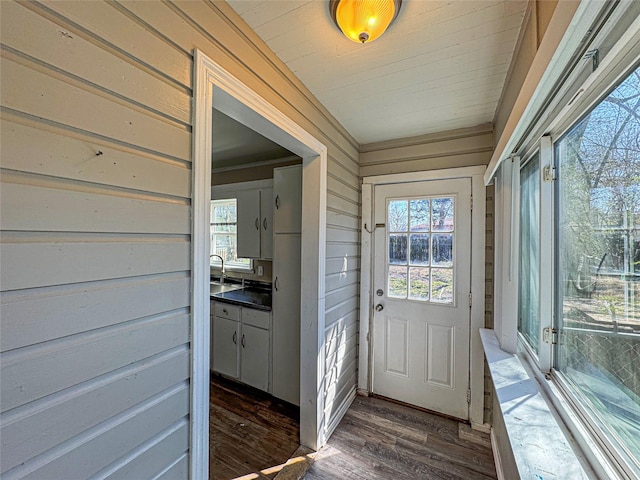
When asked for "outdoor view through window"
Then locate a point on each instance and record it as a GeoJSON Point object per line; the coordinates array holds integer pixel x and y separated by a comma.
{"type": "Point", "coordinates": [598, 274]}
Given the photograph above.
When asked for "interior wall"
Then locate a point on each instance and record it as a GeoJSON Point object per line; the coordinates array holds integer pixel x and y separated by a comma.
{"type": "Point", "coordinates": [96, 195]}
{"type": "Point", "coordinates": [254, 172]}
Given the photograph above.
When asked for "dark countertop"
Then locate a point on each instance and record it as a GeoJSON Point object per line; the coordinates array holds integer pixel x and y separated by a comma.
{"type": "Point", "coordinates": [251, 297]}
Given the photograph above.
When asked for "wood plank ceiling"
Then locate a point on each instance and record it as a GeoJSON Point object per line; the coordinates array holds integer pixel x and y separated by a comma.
{"type": "Point", "coordinates": [441, 66]}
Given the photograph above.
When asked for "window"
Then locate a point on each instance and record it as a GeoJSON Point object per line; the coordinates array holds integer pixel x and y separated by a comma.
{"type": "Point", "coordinates": [420, 245]}
{"type": "Point", "coordinates": [529, 293]}
{"type": "Point", "coordinates": [598, 266]}
{"type": "Point", "coordinates": [224, 235]}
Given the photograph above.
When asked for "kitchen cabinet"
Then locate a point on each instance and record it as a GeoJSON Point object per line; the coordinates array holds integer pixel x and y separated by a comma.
{"type": "Point", "coordinates": [241, 344]}
{"type": "Point", "coordinates": [286, 318]}
{"type": "Point", "coordinates": [287, 199]}
{"type": "Point", "coordinates": [255, 223]}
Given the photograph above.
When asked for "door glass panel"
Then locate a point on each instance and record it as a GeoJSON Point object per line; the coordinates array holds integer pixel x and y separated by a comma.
{"type": "Point", "coordinates": [442, 253]}
{"type": "Point", "coordinates": [412, 251]}
{"type": "Point", "coordinates": [397, 282]}
{"type": "Point", "coordinates": [419, 214]}
{"type": "Point", "coordinates": [442, 214]}
{"type": "Point", "coordinates": [398, 249]}
{"type": "Point", "coordinates": [442, 285]}
{"type": "Point", "coordinates": [419, 283]}
{"type": "Point", "coordinates": [398, 216]}
{"type": "Point", "coordinates": [419, 249]}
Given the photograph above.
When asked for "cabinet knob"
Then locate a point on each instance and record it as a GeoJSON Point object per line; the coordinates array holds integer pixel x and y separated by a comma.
{"type": "Point", "coordinates": [257, 224]}
{"type": "Point", "coordinates": [275, 284]}
{"type": "Point", "coordinates": [235, 337]}
{"type": "Point", "coordinates": [264, 223]}
{"type": "Point", "coordinates": [277, 202]}
{"type": "Point", "coordinates": [243, 340]}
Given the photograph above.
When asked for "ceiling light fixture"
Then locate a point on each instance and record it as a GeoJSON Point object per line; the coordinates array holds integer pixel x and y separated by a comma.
{"type": "Point", "coordinates": [364, 20]}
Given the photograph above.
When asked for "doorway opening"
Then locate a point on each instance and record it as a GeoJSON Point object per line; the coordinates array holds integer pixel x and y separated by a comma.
{"type": "Point", "coordinates": [216, 89]}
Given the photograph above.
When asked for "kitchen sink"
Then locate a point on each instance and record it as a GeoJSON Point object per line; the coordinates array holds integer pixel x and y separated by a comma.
{"type": "Point", "coordinates": [217, 287]}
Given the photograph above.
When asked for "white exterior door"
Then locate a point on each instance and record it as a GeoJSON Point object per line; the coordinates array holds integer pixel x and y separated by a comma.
{"type": "Point", "coordinates": [421, 291]}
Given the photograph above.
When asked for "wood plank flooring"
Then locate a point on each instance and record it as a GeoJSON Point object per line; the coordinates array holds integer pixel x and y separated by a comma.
{"type": "Point", "coordinates": [378, 439]}
{"type": "Point", "coordinates": [250, 431]}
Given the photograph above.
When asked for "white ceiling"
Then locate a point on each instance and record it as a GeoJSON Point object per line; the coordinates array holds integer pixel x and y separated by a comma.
{"type": "Point", "coordinates": [235, 145]}
{"type": "Point", "coordinates": [440, 66]}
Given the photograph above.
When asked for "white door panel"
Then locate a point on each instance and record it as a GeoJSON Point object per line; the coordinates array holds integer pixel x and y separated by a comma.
{"type": "Point", "coordinates": [422, 262]}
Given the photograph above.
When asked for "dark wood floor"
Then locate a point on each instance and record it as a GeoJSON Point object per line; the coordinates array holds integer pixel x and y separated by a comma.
{"type": "Point", "coordinates": [383, 440]}
{"type": "Point", "coordinates": [250, 432]}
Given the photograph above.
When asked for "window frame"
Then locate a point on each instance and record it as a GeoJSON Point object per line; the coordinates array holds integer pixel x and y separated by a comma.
{"type": "Point", "coordinates": [580, 93]}
{"type": "Point", "coordinates": [215, 263]}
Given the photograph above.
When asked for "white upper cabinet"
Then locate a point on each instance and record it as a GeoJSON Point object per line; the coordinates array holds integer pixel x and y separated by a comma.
{"type": "Point", "coordinates": [287, 199]}
{"type": "Point", "coordinates": [255, 223]}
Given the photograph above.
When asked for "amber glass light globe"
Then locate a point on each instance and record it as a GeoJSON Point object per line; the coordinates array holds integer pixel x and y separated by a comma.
{"type": "Point", "coordinates": [364, 20]}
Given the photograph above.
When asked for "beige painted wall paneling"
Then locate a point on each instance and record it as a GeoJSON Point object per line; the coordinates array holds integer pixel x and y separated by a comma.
{"type": "Point", "coordinates": [41, 95]}
{"type": "Point", "coordinates": [445, 161]}
{"type": "Point", "coordinates": [30, 317]}
{"type": "Point", "coordinates": [339, 280]}
{"type": "Point", "coordinates": [342, 219]}
{"type": "Point", "coordinates": [338, 203]}
{"type": "Point", "coordinates": [29, 265]}
{"type": "Point", "coordinates": [339, 295]}
{"type": "Point", "coordinates": [28, 148]}
{"type": "Point", "coordinates": [445, 147]}
{"type": "Point", "coordinates": [176, 469]}
{"type": "Point", "coordinates": [336, 170]}
{"type": "Point", "coordinates": [30, 374]}
{"type": "Point", "coordinates": [124, 37]}
{"type": "Point", "coordinates": [21, 435]}
{"type": "Point", "coordinates": [146, 422]}
{"type": "Point", "coordinates": [68, 50]}
{"type": "Point", "coordinates": [343, 234]}
{"type": "Point", "coordinates": [337, 337]}
{"type": "Point", "coordinates": [33, 208]}
{"type": "Point", "coordinates": [151, 459]}
{"type": "Point", "coordinates": [228, 46]}
{"type": "Point", "coordinates": [339, 187]}
{"type": "Point", "coordinates": [341, 312]}
{"type": "Point", "coordinates": [342, 249]}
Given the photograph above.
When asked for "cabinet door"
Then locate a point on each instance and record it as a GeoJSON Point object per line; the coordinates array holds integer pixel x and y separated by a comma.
{"type": "Point", "coordinates": [266, 235]}
{"type": "Point", "coordinates": [248, 223]}
{"type": "Point", "coordinates": [286, 318]}
{"type": "Point", "coordinates": [287, 199]}
{"type": "Point", "coordinates": [225, 346]}
{"type": "Point", "coordinates": [255, 357]}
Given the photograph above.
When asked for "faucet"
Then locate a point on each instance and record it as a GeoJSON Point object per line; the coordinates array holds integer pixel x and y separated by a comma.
{"type": "Point", "coordinates": [222, 263]}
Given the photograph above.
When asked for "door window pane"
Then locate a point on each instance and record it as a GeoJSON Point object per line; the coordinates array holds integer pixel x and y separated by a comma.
{"type": "Point", "coordinates": [398, 249]}
{"type": "Point", "coordinates": [398, 216]}
{"type": "Point", "coordinates": [442, 285]}
{"type": "Point", "coordinates": [442, 249]}
{"type": "Point", "coordinates": [598, 276]}
{"type": "Point", "coordinates": [419, 211]}
{"type": "Point", "coordinates": [397, 282]}
{"type": "Point", "coordinates": [419, 249]}
{"type": "Point", "coordinates": [442, 214]}
{"type": "Point", "coordinates": [528, 315]}
{"type": "Point", "coordinates": [419, 283]}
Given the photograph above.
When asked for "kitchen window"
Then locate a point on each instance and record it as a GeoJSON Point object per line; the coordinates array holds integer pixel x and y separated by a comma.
{"type": "Point", "coordinates": [224, 233]}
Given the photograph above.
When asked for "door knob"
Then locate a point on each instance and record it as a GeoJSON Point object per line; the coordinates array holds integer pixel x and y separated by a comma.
{"type": "Point", "coordinates": [379, 307]}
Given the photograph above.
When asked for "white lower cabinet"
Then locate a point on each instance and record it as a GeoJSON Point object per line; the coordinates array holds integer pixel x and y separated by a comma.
{"type": "Point", "coordinates": [241, 344]}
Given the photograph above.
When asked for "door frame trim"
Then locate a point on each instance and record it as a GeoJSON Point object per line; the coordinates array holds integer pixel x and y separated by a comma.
{"type": "Point", "coordinates": [216, 87]}
{"type": "Point", "coordinates": [478, 230]}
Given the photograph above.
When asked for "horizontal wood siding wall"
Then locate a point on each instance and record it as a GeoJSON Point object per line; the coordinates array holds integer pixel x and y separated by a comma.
{"type": "Point", "coordinates": [464, 147]}
{"type": "Point", "coordinates": [95, 217]}
{"type": "Point", "coordinates": [96, 200]}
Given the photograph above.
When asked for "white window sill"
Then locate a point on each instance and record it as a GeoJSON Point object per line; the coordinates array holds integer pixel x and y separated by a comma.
{"type": "Point", "coordinates": [538, 440]}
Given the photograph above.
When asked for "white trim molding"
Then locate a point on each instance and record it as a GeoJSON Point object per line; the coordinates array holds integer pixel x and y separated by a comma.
{"type": "Point", "coordinates": [217, 88]}
{"type": "Point", "coordinates": [478, 220]}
